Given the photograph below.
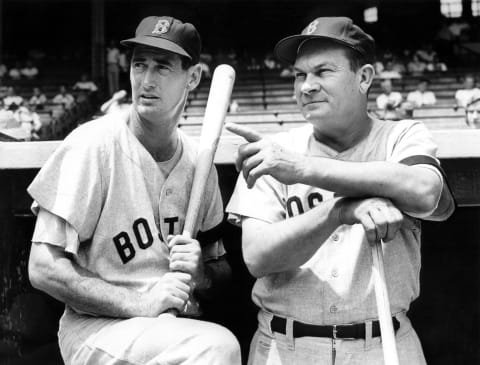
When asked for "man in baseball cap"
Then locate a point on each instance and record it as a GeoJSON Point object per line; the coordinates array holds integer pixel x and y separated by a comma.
{"type": "Point", "coordinates": [111, 205]}
{"type": "Point", "coordinates": [169, 34]}
{"type": "Point", "coordinates": [312, 200]}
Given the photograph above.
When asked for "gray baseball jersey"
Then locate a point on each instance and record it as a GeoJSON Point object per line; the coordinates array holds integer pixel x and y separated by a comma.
{"type": "Point", "coordinates": [335, 285]}
{"type": "Point", "coordinates": [113, 206]}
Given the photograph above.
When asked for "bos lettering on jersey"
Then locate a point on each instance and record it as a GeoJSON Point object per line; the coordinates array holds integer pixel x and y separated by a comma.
{"type": "Point", "coordinates": [142, 238]}
{"type": "Point", "coordinates": [304, 198]}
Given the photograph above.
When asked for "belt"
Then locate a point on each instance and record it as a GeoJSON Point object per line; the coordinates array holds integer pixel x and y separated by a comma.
{"type": "Point", "coordinates": [356, 331]}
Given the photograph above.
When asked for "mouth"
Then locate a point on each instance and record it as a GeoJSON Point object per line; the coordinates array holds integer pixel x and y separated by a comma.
{"type": "Point", "coordinates": [306, 103]}
{"type": "Point", "coordinates": [149, 97]}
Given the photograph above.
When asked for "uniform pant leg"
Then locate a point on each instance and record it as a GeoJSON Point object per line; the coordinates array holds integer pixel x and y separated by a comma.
{"type": "Point", "coordinates": [152, 341]}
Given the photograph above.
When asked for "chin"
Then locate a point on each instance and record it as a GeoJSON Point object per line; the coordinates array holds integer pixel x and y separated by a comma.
{"type": "Point", "coordinates": [147, 112]}
{"type": "Point", "coordinates": [313, 115]}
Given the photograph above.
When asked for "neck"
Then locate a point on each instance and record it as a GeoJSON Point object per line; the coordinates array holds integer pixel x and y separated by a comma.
{"type": "Point", "coordinates": [160, 139]}
{"type": "Point", "coordinates": [342, 140]}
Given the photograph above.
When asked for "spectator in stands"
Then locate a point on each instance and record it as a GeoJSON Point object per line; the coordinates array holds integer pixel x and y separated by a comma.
{"type": "Point", "coordinates": [204, 64]}
{"type": "Point", "coordinates": [436, 65]}
{"type": "Point", "coordinates": [379, 67]}
{"type": "Point", "coordinates": [398, 65]}
{"type": "Point", "coordinates": [38, 99]}
{"type": "Point", "coordinates": [472, 115]}
{"type": "Point", "coordinates": [421, 96]}
{"type": "Point", "coordinates": [14, 72]}
{"type": "Point", "coordinates": [124, 69]}
{"type": "Point", "coordinates": [287, 72]}
{"type": "Point", "coordinates": [123, 62]}
{"type": "Point", "coordinates": [388, 99]}
{"type": "Point", "coordinates": [64, 98]}
{"type": "Point", "coordinates": [6, 118]}
{"type": "Point", "coordinates": [393, 69]}
{"type": "Point", "coordinates": [426, 53]}
{"type": "Point", "coordinates": [469, 92]}
{"type": "Point", "coordinates": [12, 100]}
{"type": "Point", "coordinates": [270, 63]}
{"type": "Point", "coordinates": [116, 103]}
{"type": "Point", "coordinates": [3, 70]}
{"type": "Point", "coordinates": [85, 84]}
{"type": "Point", "coordinates": [234, 106]}
{"type": "Point", "coordinates": [113, 68]}
{"type": "Point", "coordinates": [29, 71]}
{"type": "Point", "coordinates": [29, 120]}
{"type": "Point", "coordinates": [253, 64]}
{"type": "Point", "coordinates": [416, 67]}
{"type": "Point", "coordinates": [232, 57]}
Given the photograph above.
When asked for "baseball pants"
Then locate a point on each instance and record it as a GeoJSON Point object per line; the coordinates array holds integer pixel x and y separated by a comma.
{"type": "Point", "coordinates": [271, 348]}
{"type": "Point", "coordinates": [145, 341]}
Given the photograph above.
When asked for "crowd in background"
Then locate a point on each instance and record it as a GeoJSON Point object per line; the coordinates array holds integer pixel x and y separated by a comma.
{"type": "Point", "coordinates": [424, 63]}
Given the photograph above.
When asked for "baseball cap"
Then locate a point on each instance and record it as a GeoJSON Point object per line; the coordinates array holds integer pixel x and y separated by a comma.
{"type": "Point", "coordinates": [167, 33]}
{"type": "Point", "coordinates": [338, 29]}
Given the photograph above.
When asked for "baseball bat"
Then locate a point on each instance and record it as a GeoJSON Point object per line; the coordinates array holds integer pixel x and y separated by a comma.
{"type": "Point", "coordinates": [389, 345]}
{"type": "Point", "coordinates": [215, 112]}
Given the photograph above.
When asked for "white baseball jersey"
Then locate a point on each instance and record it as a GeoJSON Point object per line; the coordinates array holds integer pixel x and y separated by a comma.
{"type": "Point", "coordinates": [335, 285]}
{"type": "Point", "coordinates": [108, 202]}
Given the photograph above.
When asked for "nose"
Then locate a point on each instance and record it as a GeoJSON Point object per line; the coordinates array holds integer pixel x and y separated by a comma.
{"type": "Point", "coordinates": [149, 78]}
{"type": "Point", "coordinates": [310, 85]}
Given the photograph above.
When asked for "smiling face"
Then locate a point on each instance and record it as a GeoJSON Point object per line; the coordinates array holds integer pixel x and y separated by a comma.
{"type": "Point", "coordinates": [159, 83]}
{"type": "Point", "coordinates": [329, 93]}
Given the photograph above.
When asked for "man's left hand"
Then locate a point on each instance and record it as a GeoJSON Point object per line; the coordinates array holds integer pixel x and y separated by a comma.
{"type": "Point", "coordinates": [186, 256]}
{"type": "Point", "coordinates": [261, 156]}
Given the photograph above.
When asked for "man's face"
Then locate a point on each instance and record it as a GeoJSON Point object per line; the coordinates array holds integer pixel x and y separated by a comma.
{"type": "Point", "coordinates": [473, 115]}
{"type": "Point", "coordinates": [469, 83]}
{"type": "Point", "coordinates": [326, 88]}
{"type": "Point", "coordinates": [386, 86]}
{"type": "Point", "coordinates": [422, 86]}
{"type": "Point", "coordinates": [159, 84]}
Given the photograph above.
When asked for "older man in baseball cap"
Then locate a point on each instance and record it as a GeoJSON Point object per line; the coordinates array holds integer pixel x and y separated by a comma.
{"type": "Point", "coordinates": [111, 204]}
{"type": "Point", "coordinates": [311, 201]}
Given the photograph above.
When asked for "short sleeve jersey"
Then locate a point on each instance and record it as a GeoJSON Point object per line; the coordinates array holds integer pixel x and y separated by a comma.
{"type": "Point", "coordinates": [335, 285]}
{"type": "Point", "coordinates": [104, 184]}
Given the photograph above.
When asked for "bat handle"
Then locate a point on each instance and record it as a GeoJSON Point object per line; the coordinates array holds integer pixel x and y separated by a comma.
{"type": "Point", "coordinates": [389, 346]}
{"type": "Point", "coordinates": [186, 232]}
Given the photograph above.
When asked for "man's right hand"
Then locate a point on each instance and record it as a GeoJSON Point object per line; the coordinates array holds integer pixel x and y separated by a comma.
{"type": "Point", "coordinates": [171, 291]}
{"type": "Point", "coordinates": [378, 216]}
{"type": "Point", "coordinates": [261, 156]}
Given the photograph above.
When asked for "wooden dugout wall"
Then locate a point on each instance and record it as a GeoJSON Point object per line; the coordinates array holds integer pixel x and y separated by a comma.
{"type": "Point", "coordinates": [446, 316]}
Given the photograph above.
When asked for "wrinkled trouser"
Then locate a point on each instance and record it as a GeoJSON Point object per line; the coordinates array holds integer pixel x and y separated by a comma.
{"type": "Point", "coordinates": [145, 341]}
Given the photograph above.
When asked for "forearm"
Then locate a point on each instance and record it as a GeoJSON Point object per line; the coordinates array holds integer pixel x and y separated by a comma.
{"type": "Point", "coordinates": [82, 290]}
{"type": "Point", "coordinates": [286, 245]}
{"type": "Point", "coordinates": [410, 188]}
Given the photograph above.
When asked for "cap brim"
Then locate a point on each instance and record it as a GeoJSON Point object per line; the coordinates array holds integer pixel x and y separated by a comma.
{"type": "Point", "coordinates": [155, 42]}
{"type": "Point", "coordinates": [286, 49]}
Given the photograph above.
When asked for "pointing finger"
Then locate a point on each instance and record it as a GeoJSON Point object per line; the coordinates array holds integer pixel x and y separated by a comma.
{"type": "Point", "coordinates": [249, 134]}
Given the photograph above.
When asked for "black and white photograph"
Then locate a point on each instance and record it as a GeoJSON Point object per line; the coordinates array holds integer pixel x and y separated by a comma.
{"type": "Point", "coordinates": [239, 182]}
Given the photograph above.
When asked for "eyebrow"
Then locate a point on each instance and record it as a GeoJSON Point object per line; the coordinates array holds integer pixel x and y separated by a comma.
{"type": "Point", "coordinates": [318, 67]}
{"type": "Point", "coordinates": [161, 59]}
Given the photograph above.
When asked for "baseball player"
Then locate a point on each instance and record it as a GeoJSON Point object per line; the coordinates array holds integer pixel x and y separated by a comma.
{"type": "Point", "coordinates": [312, 199]}
{"type": "Point", "coordinates": [111, 204]}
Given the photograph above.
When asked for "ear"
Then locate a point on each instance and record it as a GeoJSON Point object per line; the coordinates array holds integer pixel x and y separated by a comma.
{"type": "Point", "coordinates": [365, 76]}
{"type": "Point", "coordinates": [194, 77]}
